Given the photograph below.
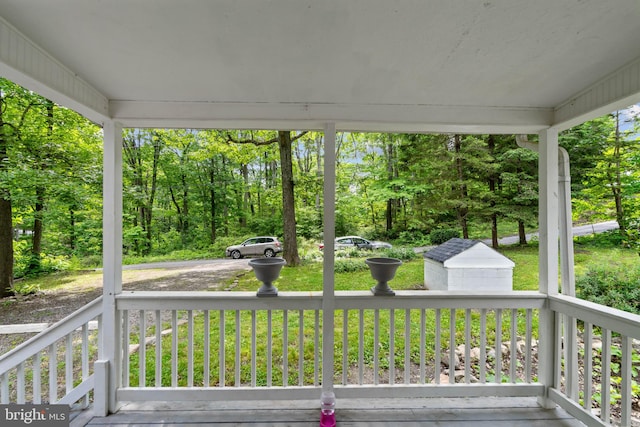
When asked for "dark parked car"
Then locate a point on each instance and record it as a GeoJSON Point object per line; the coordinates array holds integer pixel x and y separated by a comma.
{"type": "Point", "coordinates": [347, 242]}
{"type": "Point", "coordinates": [268, 246]}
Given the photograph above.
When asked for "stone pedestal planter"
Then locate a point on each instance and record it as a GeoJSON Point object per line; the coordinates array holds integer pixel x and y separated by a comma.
{"type": "Point", "coordinates": [383, 270]}
{"type": "Point", "coordinates": [267, 270]}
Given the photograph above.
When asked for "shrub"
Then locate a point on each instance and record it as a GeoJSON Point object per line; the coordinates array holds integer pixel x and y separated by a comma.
{"type": "Point", "coordinates": [349, 265]}
{"type": "Point", "coordinates": [404, 254]}
{"type": "Point", "coordinates": [611, 286]}
{"type": "Point", "coordinates": [438, 237]}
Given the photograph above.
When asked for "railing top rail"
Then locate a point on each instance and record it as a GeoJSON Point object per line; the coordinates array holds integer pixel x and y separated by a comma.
{"type": "Point", "coordinates": [167, 300]}
{"type": "Point", "coordinates": [613, 319]}
{"type": "Point", "coordinates": [50, 335]}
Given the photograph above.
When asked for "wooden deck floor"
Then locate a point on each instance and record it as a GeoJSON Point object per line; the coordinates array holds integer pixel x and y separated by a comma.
{"type": "Point", "coordinates": [480, 412]}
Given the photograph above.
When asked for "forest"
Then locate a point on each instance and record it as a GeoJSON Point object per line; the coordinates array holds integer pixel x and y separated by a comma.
{"type": "Point", "coordinates": [200, 190]}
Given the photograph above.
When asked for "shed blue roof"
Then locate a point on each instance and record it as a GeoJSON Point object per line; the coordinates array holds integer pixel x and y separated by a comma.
{"type": "Point", "coordinates": [449, 249]}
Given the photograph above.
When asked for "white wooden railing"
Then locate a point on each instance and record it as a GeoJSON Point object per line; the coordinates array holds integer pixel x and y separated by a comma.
{"type": "Point", "coordinates": [594, 345]}
{"type": "Point", "coordinates": [221, 345]}
{"type": "Point", "coordinates": [55, 366]}
{"type": "Point", "coordinates": [231, 345]}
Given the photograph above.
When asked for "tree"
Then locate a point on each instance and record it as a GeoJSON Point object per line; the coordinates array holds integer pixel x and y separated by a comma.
{"type": "Point", "coordinates": [15, 105]}
{"type": "Point", "coordinates": [284, 140]}
{"type": "Point", "coordinates": [139, 148]}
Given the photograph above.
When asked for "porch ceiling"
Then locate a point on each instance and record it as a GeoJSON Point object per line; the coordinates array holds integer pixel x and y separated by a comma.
{"type": "Point", "coordinates": [405, 65]}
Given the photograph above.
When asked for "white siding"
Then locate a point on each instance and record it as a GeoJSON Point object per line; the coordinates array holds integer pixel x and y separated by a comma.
{"type": "Point", "coordinates": [478, 268]}
{"type": "Point", "coordinates": [435, 275]}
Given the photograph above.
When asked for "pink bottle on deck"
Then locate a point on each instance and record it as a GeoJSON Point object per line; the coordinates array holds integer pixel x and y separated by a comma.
{"type": "Point", "coordinates": [327, 409]}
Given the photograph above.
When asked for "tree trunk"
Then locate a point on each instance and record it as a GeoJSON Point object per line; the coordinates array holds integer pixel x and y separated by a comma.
{"type": "Point", "coordinates": [288, 200]}
{"type": "Point", "coordinates": [462, 209]}
{"type": "Point", "coordinates": [212, 198]}
{"type": "Point", "coordinates": [36, 237]}
{"type": "Point", "coordinates": [521, 233]}
{"type": "Point", "coordinates": [390, 202]}
{"type": "Point", "coordinates": [616, 181]}
{"type": "Point", "coordinates": [246, 196]}
{"type": "Point", "coordinates": [6, 220]}
{"type": "Point", "coordinates": [493, 179]}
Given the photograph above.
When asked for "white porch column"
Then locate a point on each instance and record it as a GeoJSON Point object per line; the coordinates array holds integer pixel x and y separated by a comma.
{"type": "Point", "coordinates": [112, 256]}
{"type": "Point", "coordinates": [548, 254]}
{"type": "Point", "coordinates": [328, 285]}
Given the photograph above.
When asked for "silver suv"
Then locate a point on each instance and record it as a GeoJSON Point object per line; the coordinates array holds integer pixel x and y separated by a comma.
{"type": "Point", "coordinates": [262, 245]}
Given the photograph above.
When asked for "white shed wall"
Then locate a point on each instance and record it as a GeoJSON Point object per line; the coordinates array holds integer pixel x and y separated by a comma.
{"type": "Point", "coordinates": [479, 268]}
{"type": "Point", "coordinates": [435, 275]}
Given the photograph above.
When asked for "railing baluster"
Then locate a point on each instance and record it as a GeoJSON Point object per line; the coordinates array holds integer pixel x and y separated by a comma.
{"type": "Point", "coordinates": [423, 345]}
{"type": "Point", "coordinates": [361, 348]}
{"type": "Point", "coordinates": [221, 352]}
{"type": "Point", "coordinates": [437, 347]}
{"type": "Point", "coordinates": [238, 349]}
{"type": "Point", "coordinates": [301, 348]}
{"type": "Point", "coordinates": [206, 368]}
{"type": "Point", "coordinates": [126, 361]}
{"type": "Point", "coordinates": [376, 345]}
{"type": "Point", "coordinates": [527, 357]}
{"type": "Point", "coordinates": [142, 350]}
{"type": "Point", "coordinates": [605, 378]}
{"type": "Point", "coordinates": [269, 349]}
{"type": "Point", "coordinates": [571, 362]}
{"type": "Point", "coordinates": [407, 346]}
{"type": "Point", "coordinates": [498, 378]}
{"type": "Point", "coordinates": [483, 346]}
{"type": "Point", "coordinates": [158, 373]}
{"type": "Point", "coordinates": [452, 346]}
{"type": "Point", "coordinates": [467, 346]}
{"type": "Point", "coordinates": [316, 365]}
{"type": "Point", "coordinates": [37, 379]}
{"type": "Point", "coordinates": [392, 346]}
{"type": "Point", "coordinates": [345, 346]}
{"type": "Point", "coordinates": [626, 374]}
{"type": "Point", "coordinates": [285, 348]}
{"type": "Point", "coordinates": [254, 350]}
{"type": "Point", "coordinates": [85, 360]}
{"type": "Point", "coordinates": [53, 373]}
{"type": "Point", "coordinates": [558, 334]}
{"type": "Point", "coordinates": [513, 359]}
{"type": "Point", "coordinates": [4, 388]}
{"type": "Point", "coordinates": [20, 384]}
{"type": "Point", "coordinates": [68, 363]}
{"type": "Point", "coordinates": [174, 348]}
{"type": "Point", "coordinates": [588, 366]}
{"type": "Point", "coordinates": [190, 349]}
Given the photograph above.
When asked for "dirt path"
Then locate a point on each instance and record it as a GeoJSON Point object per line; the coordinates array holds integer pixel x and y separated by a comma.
{"type": "Point", "coordinates": [74, 292]}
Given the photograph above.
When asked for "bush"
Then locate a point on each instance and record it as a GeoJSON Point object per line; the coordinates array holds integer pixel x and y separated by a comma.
{"type": "Point", "coordinates": [349, 265]}
{"type": "Point", "coordinates": [404, 254]}
{"type": "Point", "coordinates": [438, 237]}
{"type": "Point", "coordinates": [613, 287]}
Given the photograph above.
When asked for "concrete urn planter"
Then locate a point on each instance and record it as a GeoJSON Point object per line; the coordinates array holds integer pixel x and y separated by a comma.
{"type": "Point", "coordinates": [267, 270]}
{"type": "Point", "coordinates": [383, 270]}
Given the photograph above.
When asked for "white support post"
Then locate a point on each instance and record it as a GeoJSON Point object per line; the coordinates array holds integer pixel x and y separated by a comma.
{"type": "Point", "coordinates": [548, 255]}
{"type": "Point", "coordinates": [328, 287]}
{"type": "Point", "coordinates": [112, 258]}
{"type": "Point", "coordinates": [567, 274]}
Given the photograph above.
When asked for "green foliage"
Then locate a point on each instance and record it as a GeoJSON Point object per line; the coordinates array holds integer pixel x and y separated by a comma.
{"type": "Point", "coordinates": [349, 265]}
{"type": "Point", "coordinates": [615, 287]}
{"type": "Point", "coordinates": [402, 253]}
{"type": "Point", "coordinates": [608, 239]}
{"type": "Point", "coordinates": [25, 288]}
{"type": "Point", "coordinates": [438, 237]}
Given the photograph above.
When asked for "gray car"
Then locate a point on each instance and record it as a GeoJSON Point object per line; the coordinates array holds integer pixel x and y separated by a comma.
{"type": "Point", "coordinates": [347, 242]}
{"type": "Point", "coordinates": [268, 246]}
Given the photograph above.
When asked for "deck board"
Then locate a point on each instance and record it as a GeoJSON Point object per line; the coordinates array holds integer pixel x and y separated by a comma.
{"type": "Point", "coordinates": [485, 412]}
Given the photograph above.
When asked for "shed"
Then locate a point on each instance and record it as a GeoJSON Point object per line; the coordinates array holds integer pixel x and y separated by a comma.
{"type": "Point", "coordinates": [467, 265]}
